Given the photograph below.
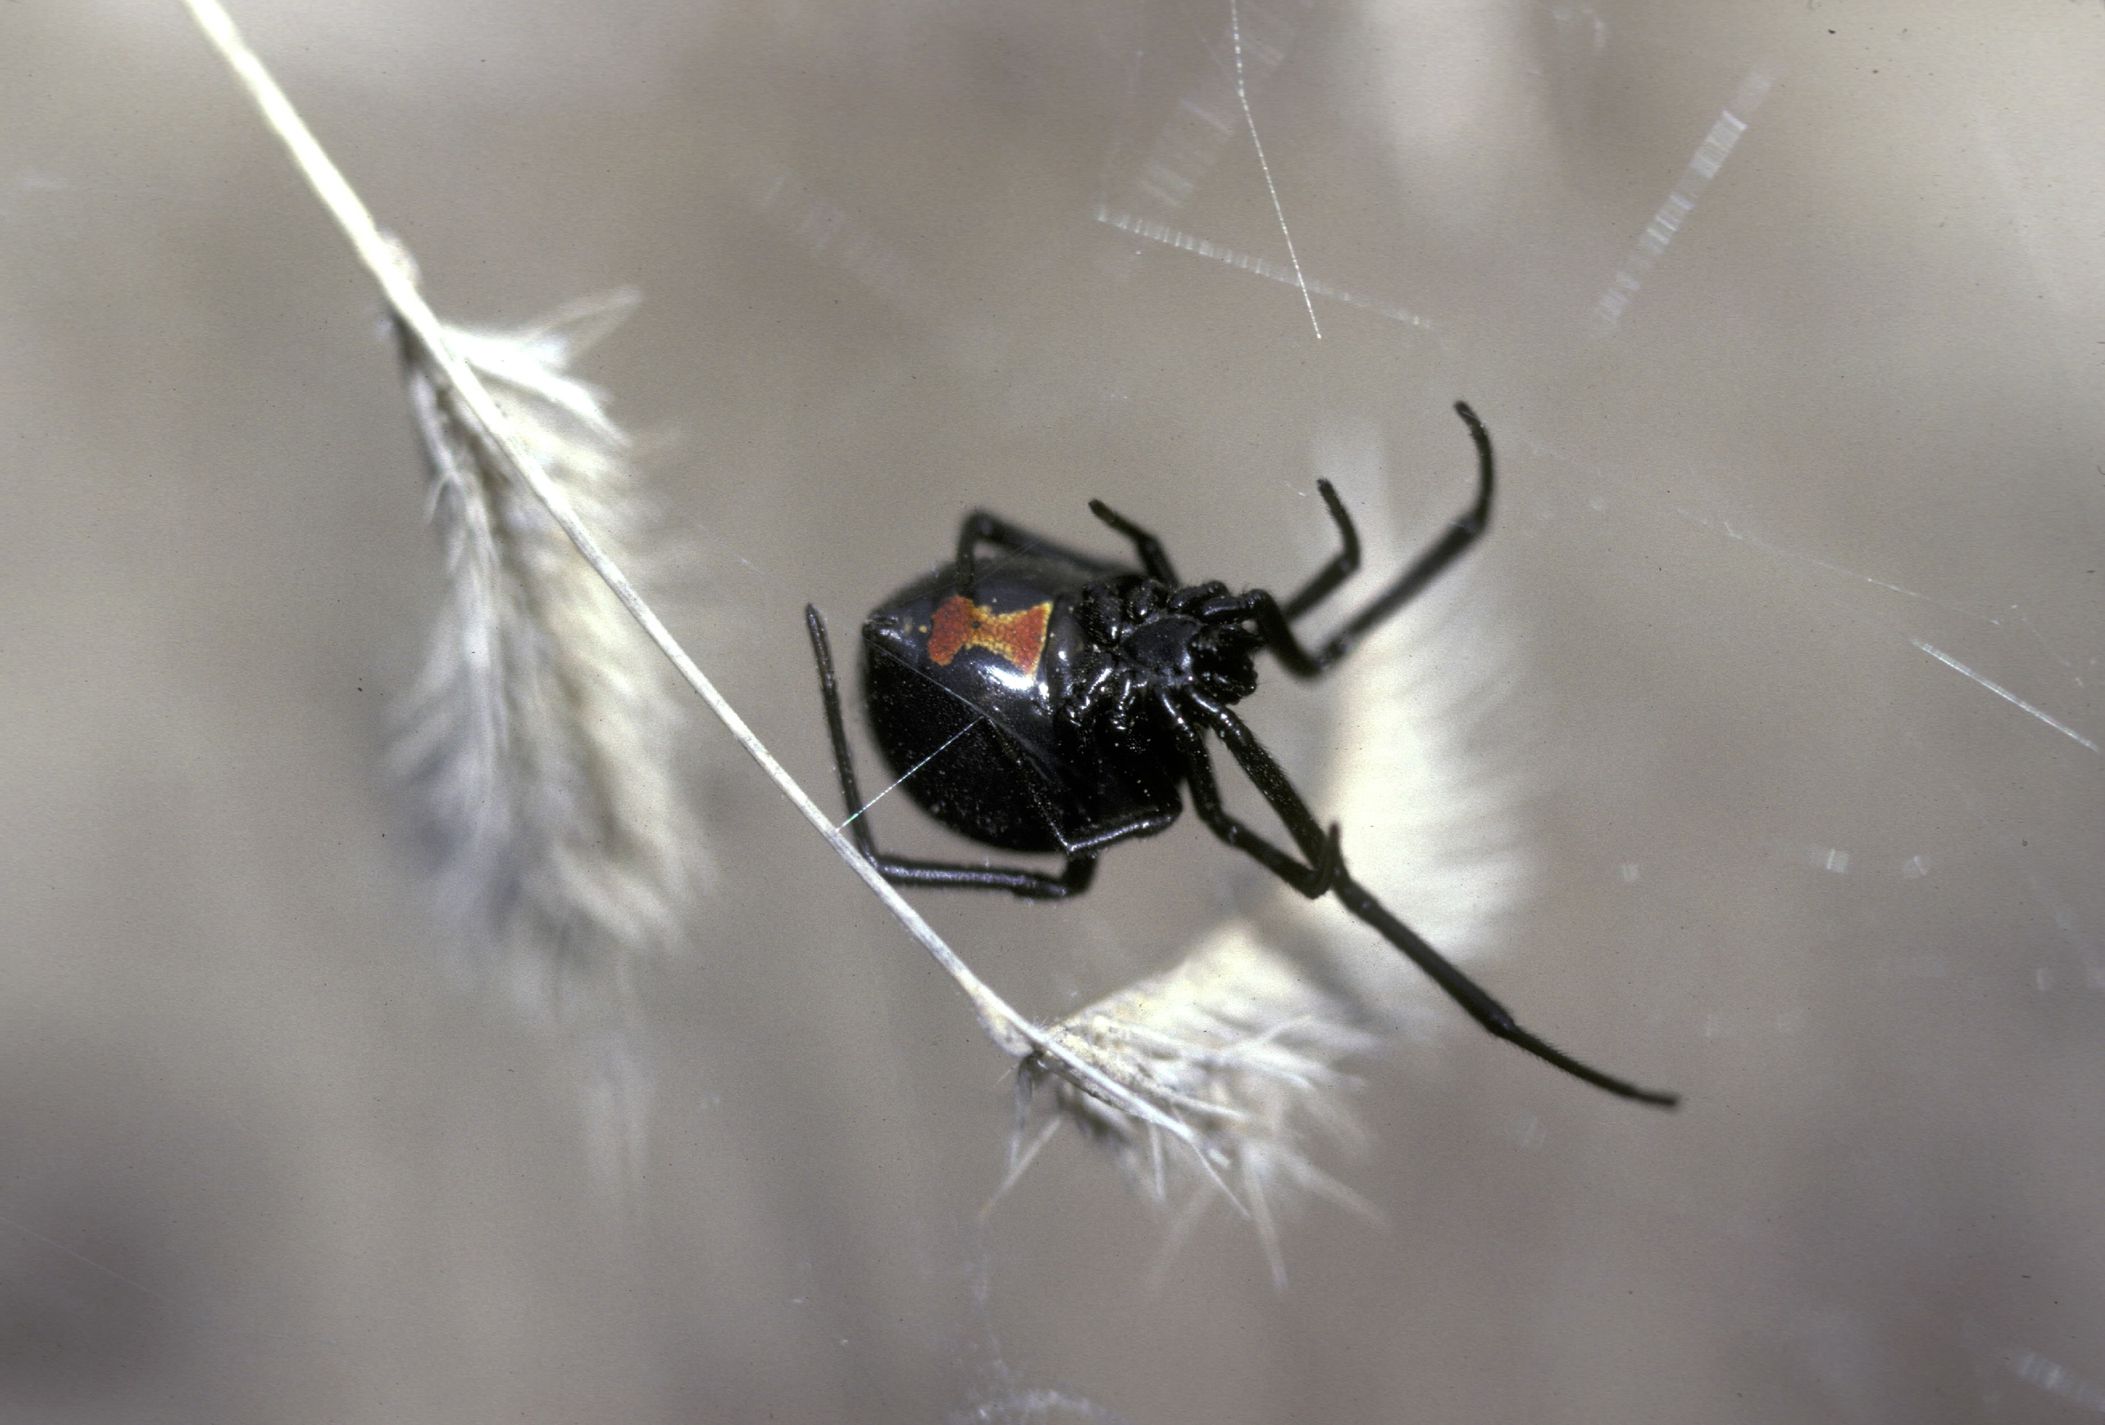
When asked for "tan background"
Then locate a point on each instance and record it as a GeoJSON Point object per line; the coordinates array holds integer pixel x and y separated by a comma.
{"type": "Point", "coordinates": [263, 1158]}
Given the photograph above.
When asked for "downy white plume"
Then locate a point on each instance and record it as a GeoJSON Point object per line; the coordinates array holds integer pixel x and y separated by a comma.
{"type": "Point", "coordinates": [542, 738]}
{"type": "Point", "coordinates": [1244, 1047]}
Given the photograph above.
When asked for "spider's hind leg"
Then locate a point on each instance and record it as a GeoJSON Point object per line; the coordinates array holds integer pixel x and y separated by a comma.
{"type": "Point", "coordinates": [983, 527]}
{"type": "Point", "coordinates": [1072, 880]}
{"type": "Point", "coordinates": [1153, 557]}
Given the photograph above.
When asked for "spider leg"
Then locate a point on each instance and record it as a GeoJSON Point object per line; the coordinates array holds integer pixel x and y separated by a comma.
{"type": "Point", "coordinates": [1313, 879]}
{"type": "Point", "coordinates": [1097, 836]}
{"type": "Point", "coordinates": [1272, 783]}
{"type": "Point", "coordinates": [981, 527]}
{"type": "Point", "coordinates": [1272, 620]}
{"type": "Point", "coordinates": [1153, 557]}
{"type": "Point", "coordinates": [1322, 851]}
{"type": "Point", "coordinates": [1474, 998]}
{"type": "Point", "coordinates": [1072, 880]}
{"type": "Point", "coordinates": [1342, 566]}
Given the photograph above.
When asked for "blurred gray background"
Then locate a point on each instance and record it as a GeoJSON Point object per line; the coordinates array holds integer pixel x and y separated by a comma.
{"type": "Point", "coordinates": [1790, 323]}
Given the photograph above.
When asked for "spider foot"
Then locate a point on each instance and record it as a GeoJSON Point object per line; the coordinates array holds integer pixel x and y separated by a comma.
{"type": "Point", "coordinates": [1329, 867]}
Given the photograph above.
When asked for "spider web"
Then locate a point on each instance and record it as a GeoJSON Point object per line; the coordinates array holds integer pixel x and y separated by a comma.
{"type": "Point", "coordinates": [1756, 752]}
{"type": "Point", "coordinates": [1748, 730]}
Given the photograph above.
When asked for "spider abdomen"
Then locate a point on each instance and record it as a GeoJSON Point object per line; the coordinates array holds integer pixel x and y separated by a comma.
{"type": "Point", "coordinates": [963, 689]}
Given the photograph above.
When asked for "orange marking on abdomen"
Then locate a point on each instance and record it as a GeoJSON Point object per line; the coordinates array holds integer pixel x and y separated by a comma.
{"type": "Point", "coordinates": [1016, 638]}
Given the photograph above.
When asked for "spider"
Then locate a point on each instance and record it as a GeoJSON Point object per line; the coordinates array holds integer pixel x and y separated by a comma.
{"type": "Point", "coordinates": [1055, 701]}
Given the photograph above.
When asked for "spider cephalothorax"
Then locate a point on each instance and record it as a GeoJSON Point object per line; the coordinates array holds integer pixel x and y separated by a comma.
{"type": "Point", "coordinates": [1147, 644]}
{"type": "Point", "coordinates": [1052, 700]}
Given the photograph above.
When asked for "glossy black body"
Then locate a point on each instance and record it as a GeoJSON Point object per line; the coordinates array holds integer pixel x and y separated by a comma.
{"type": "Point", "coordinates": [1047, 700]}
{"type": "Point", "coordinates": [1010, 758]}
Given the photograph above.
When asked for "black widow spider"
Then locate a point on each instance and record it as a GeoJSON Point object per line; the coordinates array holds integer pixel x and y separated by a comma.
{"type": "Point", "coordinates": [1057, 701]}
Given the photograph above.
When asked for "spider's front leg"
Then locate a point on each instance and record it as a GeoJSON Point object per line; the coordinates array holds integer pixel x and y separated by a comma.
{"type": "Point", "coordinates": [1474, 998]}
{"type": "Point", "coordinates": [1343, 564]}
{"type": "Point", "coordinates": [1274, 621]}
{"type": "Point", "coordinates": [1272, 783]}
{"type": "Point", "coordinates": [1326, 857]}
